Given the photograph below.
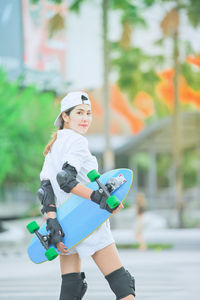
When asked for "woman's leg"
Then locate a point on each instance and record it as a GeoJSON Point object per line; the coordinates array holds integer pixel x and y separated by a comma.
{"type": "Point", "coordinates": [120, 281]}
{"type": "Point", "coordinates": [70, 263]}
{"type": "Point", "coordinates": [73, 285]}
{"type": "Point", "coordinates": [107, 259]}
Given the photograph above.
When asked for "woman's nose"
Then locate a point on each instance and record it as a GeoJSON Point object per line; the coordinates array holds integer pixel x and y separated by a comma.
{"type": "Point", "coordinates": [85, 117]}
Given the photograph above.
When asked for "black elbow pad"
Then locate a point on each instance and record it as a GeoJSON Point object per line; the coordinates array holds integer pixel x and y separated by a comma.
{"type": "Point", "coordinates": [67, 178]}
{"type": "Point", "coordinates": [46, 196]}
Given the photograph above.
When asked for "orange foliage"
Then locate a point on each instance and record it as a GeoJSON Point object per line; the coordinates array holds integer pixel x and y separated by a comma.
{"type": "Point", "coordinates": [194, 60]}
{"type": "Point", "coordinates": [144, 103]}
{"type": "Point", "coordinates": [165, 90]}
{"type": "Point", "coordinates": [167, 74]}
{"type": "Point", "coordinates": [187, 94]}
{"type": "Point", "coordinates": [121, 105]}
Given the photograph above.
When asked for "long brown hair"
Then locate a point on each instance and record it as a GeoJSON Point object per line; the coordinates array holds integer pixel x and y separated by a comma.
{"type": "Point", "coordinates": [54, 135]}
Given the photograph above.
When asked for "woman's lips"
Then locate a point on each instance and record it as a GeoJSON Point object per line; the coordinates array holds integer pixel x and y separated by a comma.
{"type": "Point", "coordinates": [84, 125]}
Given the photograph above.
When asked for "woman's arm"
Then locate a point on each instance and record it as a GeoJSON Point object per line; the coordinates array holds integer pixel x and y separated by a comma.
{"type": "Point", "coordinates": [67, 181]}
{"type": "Point", "coordinates": [82, 191]}
{"type": "Point", "coordinates": [47, 198]}
{"type": "Point", "coordinates": [50, 214]}
{"type": "Point", "coordinates": [85, 192]}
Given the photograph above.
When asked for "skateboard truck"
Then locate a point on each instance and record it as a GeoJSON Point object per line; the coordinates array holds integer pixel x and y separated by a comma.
{"type": "Point", "coordinates": [44, 239]}
{"type": "Point", "coordinates": [111, 186]}
{"type": "Point", "coordinates": [50, 253]}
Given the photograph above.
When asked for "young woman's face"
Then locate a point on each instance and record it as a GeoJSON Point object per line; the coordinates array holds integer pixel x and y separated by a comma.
{"type": "Point", "coordinates": [79, 119]}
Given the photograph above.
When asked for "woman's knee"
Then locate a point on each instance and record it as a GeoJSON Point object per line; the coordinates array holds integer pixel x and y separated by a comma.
{"type": "Point", "coordinates": [73, 286]}
{"type": "Point", "coordinates": [121, 282]}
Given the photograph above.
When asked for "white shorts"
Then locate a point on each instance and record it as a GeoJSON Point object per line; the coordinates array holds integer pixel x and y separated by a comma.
{"type": "Point", "coordinates": [98, 240]}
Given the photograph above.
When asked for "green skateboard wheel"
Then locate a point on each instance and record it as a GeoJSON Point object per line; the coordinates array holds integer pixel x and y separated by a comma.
{"type": "Point", "coordinates": [93, 175]}
{"type": "Point", "coordinates": [112, 202]}
{"type": "Point", "coordinates": [51, 254]}
{"type": "Point", "coordinates": [32, 227]}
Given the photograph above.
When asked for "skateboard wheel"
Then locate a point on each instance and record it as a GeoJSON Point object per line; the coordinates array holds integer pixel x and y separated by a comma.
{"type": "Point", "coordinates": [113, 202]}
{"type": "Point", "coordinates": [32, 227]}
{"type": "Point", "coordinates": [93, 175]}
{"type": "Point", "coordinates": [51, 254]}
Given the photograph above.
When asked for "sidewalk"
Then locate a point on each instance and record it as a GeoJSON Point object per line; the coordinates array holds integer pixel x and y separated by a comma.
{"type": "Point", "coordinates": [178, 238]}
{"type": "Point", "coordinates": [160, 275]}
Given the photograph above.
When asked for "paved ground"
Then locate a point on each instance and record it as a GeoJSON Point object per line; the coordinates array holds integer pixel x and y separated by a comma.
{"type": "Point", "coordinates": [172, 274]}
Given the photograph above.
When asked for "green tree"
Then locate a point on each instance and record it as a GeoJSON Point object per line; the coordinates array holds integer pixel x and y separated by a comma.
{"type": "Point", "coordinates": [26, 124]}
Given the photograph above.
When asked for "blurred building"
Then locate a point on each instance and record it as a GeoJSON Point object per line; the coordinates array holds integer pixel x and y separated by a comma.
{"type": "Point", "coordinates": [11, 37]}
{"type": "Point", "coordinates": [45, 45]}
{"type": "Point", "coordinates": [156, 140]}
{"type": "Point", "coordinates": [31, 44]}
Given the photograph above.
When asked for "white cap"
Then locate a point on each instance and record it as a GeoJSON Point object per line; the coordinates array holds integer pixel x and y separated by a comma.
{"type": "Point", "coordinates": [71, 100]}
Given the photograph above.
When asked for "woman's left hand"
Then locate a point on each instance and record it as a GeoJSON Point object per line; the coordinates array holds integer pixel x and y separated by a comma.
{"type": "Point", "coordinates": [118, 209]}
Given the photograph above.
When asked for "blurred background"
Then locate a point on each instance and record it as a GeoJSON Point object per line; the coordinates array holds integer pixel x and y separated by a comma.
{"type": "Point", "coordinates": [140, 63]}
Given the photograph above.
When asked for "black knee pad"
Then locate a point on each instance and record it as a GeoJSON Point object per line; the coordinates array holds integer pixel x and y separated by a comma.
{"type": "Point", "coordinates": [121, 283]}
{"type": "Point", "coordinates": [73, 286]}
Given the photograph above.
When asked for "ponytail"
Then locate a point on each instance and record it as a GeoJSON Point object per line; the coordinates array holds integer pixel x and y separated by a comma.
{"type": "Point", "coordinates": [51, 142]}
{"type": "Point", "coordinates": [54, 135]}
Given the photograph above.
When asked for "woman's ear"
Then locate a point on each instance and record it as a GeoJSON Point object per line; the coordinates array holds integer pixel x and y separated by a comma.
{"type": "Point", "coordinates": [65, 117]}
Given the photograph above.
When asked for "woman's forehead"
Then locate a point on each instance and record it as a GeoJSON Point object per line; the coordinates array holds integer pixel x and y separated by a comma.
{"type": "Point", "coordinates": [85, 107]}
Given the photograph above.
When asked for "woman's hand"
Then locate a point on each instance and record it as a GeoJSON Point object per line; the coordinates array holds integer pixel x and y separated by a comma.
{"type": "Point", "coordinates": [118, 209]}
{"type": "Point", "coordinates": [61, 247]}
{"type": "Point", "coordinates": [56, 233]}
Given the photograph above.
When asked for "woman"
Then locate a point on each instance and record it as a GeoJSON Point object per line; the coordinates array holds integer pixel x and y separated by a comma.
{"type": "Point", "coordinates": [67, 162]}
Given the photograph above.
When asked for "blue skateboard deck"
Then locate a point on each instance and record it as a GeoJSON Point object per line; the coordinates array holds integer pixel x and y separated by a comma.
{"type": "Point", "coordinates": [80, 217]}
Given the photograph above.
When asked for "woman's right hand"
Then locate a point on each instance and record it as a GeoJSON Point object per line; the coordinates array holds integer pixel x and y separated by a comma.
{"type": "Point", "coordinates": [61, 247]}
{"type": "Point", "coordinates": [56, 233]}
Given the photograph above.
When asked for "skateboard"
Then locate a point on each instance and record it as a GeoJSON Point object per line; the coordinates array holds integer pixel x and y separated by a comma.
{"type": "Point", "coordinates": [80, 217]}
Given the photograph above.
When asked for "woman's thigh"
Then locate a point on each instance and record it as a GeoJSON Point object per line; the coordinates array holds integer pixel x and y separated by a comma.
{"type": "Point", "coordinates": [70, 263]}
{"type": "Point", "coordinates": [107, 259]}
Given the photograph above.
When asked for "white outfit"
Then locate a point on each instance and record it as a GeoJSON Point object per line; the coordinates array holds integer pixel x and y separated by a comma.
{"type": "Point", "coordinates": [72, 147]}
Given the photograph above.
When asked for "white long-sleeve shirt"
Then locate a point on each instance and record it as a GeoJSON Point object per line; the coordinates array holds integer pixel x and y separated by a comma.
{"type": "Point", "coordinates": [69, 147]}
{"type": "Point", "coordinates": [72, 147]}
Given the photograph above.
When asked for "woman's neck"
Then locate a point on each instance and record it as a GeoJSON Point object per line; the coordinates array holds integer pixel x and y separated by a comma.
{"type": "Point", "coordinates": [66, 126]}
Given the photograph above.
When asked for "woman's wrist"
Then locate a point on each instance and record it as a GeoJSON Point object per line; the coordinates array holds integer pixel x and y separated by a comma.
{"type": "Point", "coordinates": [51, 214]}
